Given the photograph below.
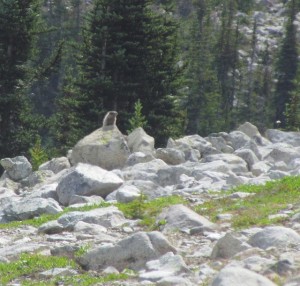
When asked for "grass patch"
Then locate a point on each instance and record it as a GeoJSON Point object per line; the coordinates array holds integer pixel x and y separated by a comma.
{"type": "Point", "coordinates": [147, 211]}
{"type": "Point", "coordinates": [29, 264]}
{"type": "Point", "coordinates": [268, 199]}
{"type": "Point", "coordinates": [38, 221]}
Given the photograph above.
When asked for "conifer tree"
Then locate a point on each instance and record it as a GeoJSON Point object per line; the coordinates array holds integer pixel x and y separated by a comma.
{"type": "Point", "coordinates": [204, 92]}
{"type": "Point", "coordinates": [129, 52]}
{"type": "Point", "coordinates": [17, 24]}
{"type": "Point", "coordinates": [286, 69]}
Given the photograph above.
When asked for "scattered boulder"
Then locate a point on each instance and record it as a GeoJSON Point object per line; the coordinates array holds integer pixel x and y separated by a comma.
{"type": "Point", "coordinates": [228, 246]}
{"type": "Point", "coordinates": [170, 155]}
{"type": "Point", "coordinates": [105, 147]}
{"type": "Point", "coordinates": [275, 236]}
{"type": "Point", "coordinates": [139, 141]}
{"type": "Point", "coordinates": [180, 217]}
{"type": "Point", "coordinates": [237, 276]}
{"type": "Point", "coordinates": [278, 136]}
{"type": "Point", "coordinates": [17, 168]}
{"type": "Point", "coordinates": [166, 266]}
{"type": "Point", "coordinates": [87, 180]}
{"type": "Point", "coordinates": [56, 165]}
{"type": "Point", "coordinates": [132, 252]}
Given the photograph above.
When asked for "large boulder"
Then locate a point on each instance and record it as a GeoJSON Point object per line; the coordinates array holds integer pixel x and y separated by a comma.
{"type": "Point", "coordinates": [132, 252]}
{"type": "Point", "coordinates": [140, 141]}
{"type": "Point", "coordinates": [106, 147]}
{"type": "Point", "coordinates": [87, 180]}
{"type": "Point", "coordinates": [17, 168]}
{"type": "Point", "coordinates": [249, 129]}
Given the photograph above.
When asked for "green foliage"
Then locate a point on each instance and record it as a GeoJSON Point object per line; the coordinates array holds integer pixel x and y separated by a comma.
{"type": "Point", "coordinates": [138, 119]}
{"type": "Point", "coordinates": [148, 210]}
{"type": "Point", "coordinates": [18, 20]}
{"type": "Point", "coordinates": [254, 210]}
{"type": "Point", "coordinates": [38, 154]}
{"type": "Point", "coordinates": [29, 264]}
{"type": "Point", "coordinates": [286, 69]}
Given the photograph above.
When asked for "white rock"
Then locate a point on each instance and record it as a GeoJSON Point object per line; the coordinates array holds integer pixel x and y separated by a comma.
{"type": "Point", "coordinates": [249, 129]}
{"type": "Point", "coordinates": [138, 157]}
{"type": "Point", "coordinates": [170, 155]}
{"type": "Point", "coordinates": [106, 148]}
{"type": "Point", "coordinates": [127, 193]}
{"type": "Point", "coordinates": [56, 165]}
{"type": "Point", "coordinates": [228, 246]}
{"type": "Point", "coordinates": [140, 141]}
{"type": "Point", "coordinates": [182, 218]}
{"type": "Point", "coordinates": [278, 136]}
{"type": "Point", "coordinates": [275, 236]}
{"type": "Point", "coordinates": [17, 168]}
{"type": "Point", "coordinates": [237, 276]}
{"type": "Point", "coordinates": [132, 252]}
{"type": "Point", "coordinates": [238, 139]}
{"type": "Point", "coordinates": [87, 180]}
{"type": "Point", "coordinates": [247, 155]}
{"type": "Point", "coordinates": [166, 266]}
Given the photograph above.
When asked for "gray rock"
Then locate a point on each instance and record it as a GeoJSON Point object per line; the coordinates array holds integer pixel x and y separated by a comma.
{"type": "Point", "coordinates": [56, 165]}
{"type": "Point", "coordinates": [106, 148]}
{"type": "Point", "coordinates": [170, 155]}
{"type": "Point", "coordinates": [247, 155]}
{"type": "Point", "coordinates": [166, 266]}
{"type": "Point", "coordinates": [87, 180]}
{"type": "Point", "coordinates": [278, 136]}
{"type": "Point", "coordinates": [37, 177]}
{"type": "Point", "coordinates": [48, 274]}
{"type": "Point", "coordinates": [234, 162]}
{"type": "Point", "coordinates": [220, 144]}
{"type": "Point", "coordinates": [237, 276]}
{"type": "Point", "coordinates": [140, 141]}
{"type": "Point", "coordinates": [17, 168]}
{"type": "Point", "coordinates": [45, 191]}
{"type": "Point", "coordinates": [107, 217]}
{"type": "Point", "coordinates": [138, 157]}
{"type": "Point", "coordinates": [27, 208]}
{"type": "Point", "coordinates": [76, 201]}
{"type": "Point", "coordinates": [173, 281]}
{"type": "Point", "coordinates": [238, 139]}
{"type": "Point", "coordinates": [282, 152]}
{"type": "Point", "coordinates": [275, 236]}
{"type": "Point", "coordinates": [249, 129]}
{"type": "Point", "coordinates": [5, 192]}
{"type": "Point", "coordinates": [228, 246]}
{"type": "Point", "coordinates": [127, 193]}
{"type": "Point", "coordinates": [182, 218]}
{"type": "Point", "coordinates": [132, 252]}
{"type": "Point", "coordinates": [260, 168]}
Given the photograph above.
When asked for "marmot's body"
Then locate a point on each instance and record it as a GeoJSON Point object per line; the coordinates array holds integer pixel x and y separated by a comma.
{"type": "Point", "coordinates": [110, 119]}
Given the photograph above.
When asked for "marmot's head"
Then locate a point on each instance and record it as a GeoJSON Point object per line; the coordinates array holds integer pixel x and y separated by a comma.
{"type": "Point", "coordinates": [110, 118]}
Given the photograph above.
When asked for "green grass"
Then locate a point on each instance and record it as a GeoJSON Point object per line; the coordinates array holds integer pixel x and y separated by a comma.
{"type": "Point", "coordinates": [147, 211]}
{"type": "Point", "coordinates": [29, 265]}
{"type": "Point", "coordinates": [38, 221]}
{"type": "Point", "coordinates": [266, 200]}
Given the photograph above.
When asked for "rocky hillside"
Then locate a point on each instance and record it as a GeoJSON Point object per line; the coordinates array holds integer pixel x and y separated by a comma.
{"type": "Point", "coordinates": [119, 212]}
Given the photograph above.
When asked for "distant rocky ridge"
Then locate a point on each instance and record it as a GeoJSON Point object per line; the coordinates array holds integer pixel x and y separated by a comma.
{"type": "Point", "coordinates": [188, 249]}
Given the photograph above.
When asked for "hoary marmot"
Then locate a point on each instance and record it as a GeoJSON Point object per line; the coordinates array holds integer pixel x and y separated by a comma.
{"type": "Point", "coordinates": [110, 118]}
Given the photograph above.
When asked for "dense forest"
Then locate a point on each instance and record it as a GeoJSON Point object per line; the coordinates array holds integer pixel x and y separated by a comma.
{"type": "Point", "coordinates": [173, 66]}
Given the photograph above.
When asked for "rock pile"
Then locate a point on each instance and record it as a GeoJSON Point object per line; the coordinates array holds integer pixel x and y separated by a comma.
{"type": "Point", "coordinates": [188, 249]}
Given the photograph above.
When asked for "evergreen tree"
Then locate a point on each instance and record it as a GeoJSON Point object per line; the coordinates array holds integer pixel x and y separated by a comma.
{"type": "Point", "coordinates": [227, 62]}
{"type": "Point", "coordinates": [286, 69]}
{"type": "Point", "coordinates": [129, 52]}
{"type": "Point", "coordinates": [18, 20]}
{"type": "Point", "coordinates": [204, 90]}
